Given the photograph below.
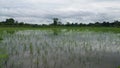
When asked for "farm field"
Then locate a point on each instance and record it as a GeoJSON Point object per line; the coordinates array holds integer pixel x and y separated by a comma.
{"type": "Point", "coordinates": [60, 47]}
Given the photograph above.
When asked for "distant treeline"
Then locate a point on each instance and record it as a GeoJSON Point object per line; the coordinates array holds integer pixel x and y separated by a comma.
{"type": "Point", "coordinates": [11, 22]}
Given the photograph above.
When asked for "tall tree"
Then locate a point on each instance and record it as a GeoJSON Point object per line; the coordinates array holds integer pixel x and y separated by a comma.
{"type": "Point", "coordinates": [55, 21]}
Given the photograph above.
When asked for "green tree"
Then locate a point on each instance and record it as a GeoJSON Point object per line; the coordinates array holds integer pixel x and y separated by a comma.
{"type": "Point", "coordinates": [55, 21]}
{"type": "Point", "coordinates": [10, 21]}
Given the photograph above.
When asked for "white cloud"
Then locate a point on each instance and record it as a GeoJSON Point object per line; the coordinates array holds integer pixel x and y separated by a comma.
{"type": "Point", "coordinates": [42, 11]}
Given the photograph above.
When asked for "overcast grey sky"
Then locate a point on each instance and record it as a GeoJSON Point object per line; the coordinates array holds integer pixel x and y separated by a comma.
{"type": "Point", "coordinates": [42, 11]}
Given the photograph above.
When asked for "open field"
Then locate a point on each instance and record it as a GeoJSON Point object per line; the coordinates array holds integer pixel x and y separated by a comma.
{"type": "Point", "coordinates": [103, 29]}
{"type": "Point", "coordinates": [60, 47]}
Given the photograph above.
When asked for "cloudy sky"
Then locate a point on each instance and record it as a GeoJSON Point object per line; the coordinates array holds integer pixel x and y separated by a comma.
{"type": "Point", "coordinates": [42, 11]}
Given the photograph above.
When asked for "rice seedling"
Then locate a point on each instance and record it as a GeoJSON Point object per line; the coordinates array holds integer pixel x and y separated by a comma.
{"type": "Point", "coordinates": [118, 66]}
{"type": "Point", "coordinates": [3, 59]}
{"type": "Point", "coordinates": [56, 31]}
{"type": "Point", "coordinates": [31, 49]}
{"type": "Point", "coordinates": [10, 31]}
{"type": "Point", "coordinates": [24, 48]}
{"type": "Point", "coordinates": [1, 38]}
{"type": "Point", "coordinates": [62, 49]}
{"type": "Point", "coordinates": [37, 62]}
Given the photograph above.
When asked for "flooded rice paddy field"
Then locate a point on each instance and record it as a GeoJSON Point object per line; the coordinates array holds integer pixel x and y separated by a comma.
{"type": "Point", "coordinates": [64, 49]}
